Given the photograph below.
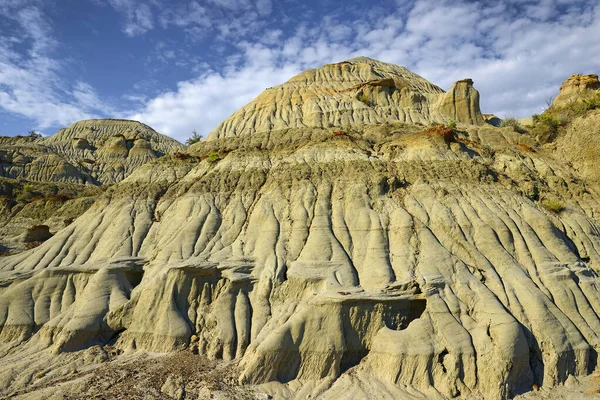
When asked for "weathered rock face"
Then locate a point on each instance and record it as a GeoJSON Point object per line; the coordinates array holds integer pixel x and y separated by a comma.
{"type": "Point", "coordinates": [93, 151]}
{"type": "Point", "coordinates": [37, 233]}
{"type": "Point", "coordinates": [47, 180]}
{"type": "Point", "coordinates": [358, 91]}
{"type": "Point", "coordinates": [580, 145]}
{"type": "Point", "coordinates": [461, 103]}
{"type": "Point", "coordinates": [382, 260]}
{"type": "Point", "coordinates": [576, 87]}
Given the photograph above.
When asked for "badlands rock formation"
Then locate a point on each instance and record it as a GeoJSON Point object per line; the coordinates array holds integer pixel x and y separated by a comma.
{"type": "Point", "coordinates": [358, 91]}
{"type": "Point", "coordinates": [102, 151]}
{"type": "Point", "coordinates": [381, 260]}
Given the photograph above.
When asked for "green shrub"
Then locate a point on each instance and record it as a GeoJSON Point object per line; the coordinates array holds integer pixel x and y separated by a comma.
{"type": "Point", "coordinates": [513, 123]}
{"type": "Point", "coordinates": [363, 98]}
{"type": "Point", "coordinates": [545, 127]}
{"type": "Point", "coordinates": [592, 102]}
{"type": "Point", "coordinates": [195, 138]}
{"type": "Point", "coordinates": [213, 157]}
{"type": "Point", "coordinates": [451, 124]}
{"type": "Point", "coordinates": [553, 205]}
{"type": "Point", "coordinates": [26, 193]}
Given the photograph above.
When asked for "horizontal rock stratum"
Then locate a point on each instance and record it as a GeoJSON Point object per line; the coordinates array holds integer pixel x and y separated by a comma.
{"type": "Point", "coordinates": [373, 258]}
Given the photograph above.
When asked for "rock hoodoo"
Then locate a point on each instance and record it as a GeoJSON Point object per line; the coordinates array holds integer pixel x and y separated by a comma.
{"type": "Point", "coordinates": [384, 259]}
{"type": "Point", "coordinates": [461, 103]}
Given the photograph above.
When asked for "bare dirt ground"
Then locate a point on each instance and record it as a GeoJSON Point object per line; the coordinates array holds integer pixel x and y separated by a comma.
{"type": "Point", "coordinates": [148, 376]}
{"type": "Point", "coordinates": [583, 388]}
{"type": "Point", "coordinates": [185, 375]}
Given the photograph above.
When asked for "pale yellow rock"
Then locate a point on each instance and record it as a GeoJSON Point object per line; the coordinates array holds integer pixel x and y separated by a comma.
{"type": "Point", "coordinates": [102, 151]}
{"type": "Point", "coordinates": [357, 91]}
{"type": "Point", "coordinates": [388, 261]}
{"type": "Point", "coordinates": [461, 103]}
{"type": "Point", "coordinates": [577, 87]}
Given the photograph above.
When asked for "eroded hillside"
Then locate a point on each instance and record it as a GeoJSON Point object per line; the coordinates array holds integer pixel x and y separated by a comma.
{"type": "Point", "coordinates": [391, 260]}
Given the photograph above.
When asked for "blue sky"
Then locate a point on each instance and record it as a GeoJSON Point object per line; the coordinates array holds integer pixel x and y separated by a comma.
{"type": "Point", "coordinates": [180, 65]}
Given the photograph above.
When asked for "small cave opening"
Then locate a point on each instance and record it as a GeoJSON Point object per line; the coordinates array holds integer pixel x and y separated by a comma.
{"type": "Point", "coordinates": [112, 340]}
{"type": "Point", "coordinates": [398, 320]}
{"type": "Point", "coordinates": [352, 358]}
{"type": "Point", "coordinates": [134, 277]}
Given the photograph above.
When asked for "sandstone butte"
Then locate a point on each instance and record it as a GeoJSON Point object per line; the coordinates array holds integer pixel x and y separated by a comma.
{"type": "Point", "coordinates": [328, 240]}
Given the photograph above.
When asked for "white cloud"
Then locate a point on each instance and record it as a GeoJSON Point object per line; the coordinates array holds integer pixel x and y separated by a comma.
{"type": "Point", "coordinates": [138, 16]}
{"type": "Point", "coordinates": [264, 7]}
{"type": "Point", "coordinates": [517, 53]}
{"type": "Point", "coordinates": [203, 103]}
{"type": "Point", "coordinates": [30, 81]}
{"type": "Point", "coordinates": [517, 61]}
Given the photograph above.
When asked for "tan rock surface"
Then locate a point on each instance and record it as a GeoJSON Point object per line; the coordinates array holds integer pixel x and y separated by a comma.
{"type": "Point", "coordinates": [576, 87]}
{"type": "Point", "coordinates": [103, 151]}
{"type": "Point", "coordinates": [358, 91]}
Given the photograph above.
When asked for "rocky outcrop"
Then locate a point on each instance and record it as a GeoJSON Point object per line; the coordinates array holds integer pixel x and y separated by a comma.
{"type": "Point", "coordinates": [93, 151]}
{"type": "Point", "coordinates": [580, 145]}
{"type": "Point", "coordinates": [26, 205]}
{"type": "Point", "coordinates": [410, 259]}
{"type": "Point", "coordinates": [37, 233]}
{"type": "Point", "coordinates": [42, 178]}
{"type": "Point", "coordinates": [577, 87]}
{"type": "Point", "coordinates": [354, 92]}
{"type": "Point", "coordinates": [461, 103]}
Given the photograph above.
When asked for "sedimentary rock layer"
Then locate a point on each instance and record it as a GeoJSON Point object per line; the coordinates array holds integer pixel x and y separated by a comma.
{"type": "Point", "coordinates": [101, 151]}
{"type": "Point", "coordinates": [358, 91]}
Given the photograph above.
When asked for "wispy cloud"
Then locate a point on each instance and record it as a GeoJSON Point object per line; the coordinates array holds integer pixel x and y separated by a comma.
{"type": "Point", "coordinates": [517, 52]}
{"type": "Point", "coordinates": [138, 16]}
{"type": "Point", "coordinates": [225, 18]}
{"type": "Point", "coordinates": [31, 82]}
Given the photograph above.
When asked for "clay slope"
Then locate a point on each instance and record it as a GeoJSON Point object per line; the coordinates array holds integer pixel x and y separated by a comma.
{"type": "Point", "coordinates": [357, 91]}
{"type": "Point", "coordinates": [95, 151]}
{"type": "Point", "coordinates": [385, 260]}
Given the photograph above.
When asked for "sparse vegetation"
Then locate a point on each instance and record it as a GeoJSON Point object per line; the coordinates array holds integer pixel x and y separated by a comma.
{"type": "Point", "coordinates": [451, 124]}
{"type": "Point", "coordinates": [513, 123]}
{"type": "Point", "coordinates": [195, 138]}
{"type": "Point", "coordinates": [553, 205]}
{"type": "Point", "coordinates": [26, 193]}
{"type": "Point", "coordinates": [34, 134]}
{"type": "Point", "coordinates": [363, 98]}
{"type": "Point", "coordinates": [546, 126]}
{"type": "Point", "coordinates": [213, 157]}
